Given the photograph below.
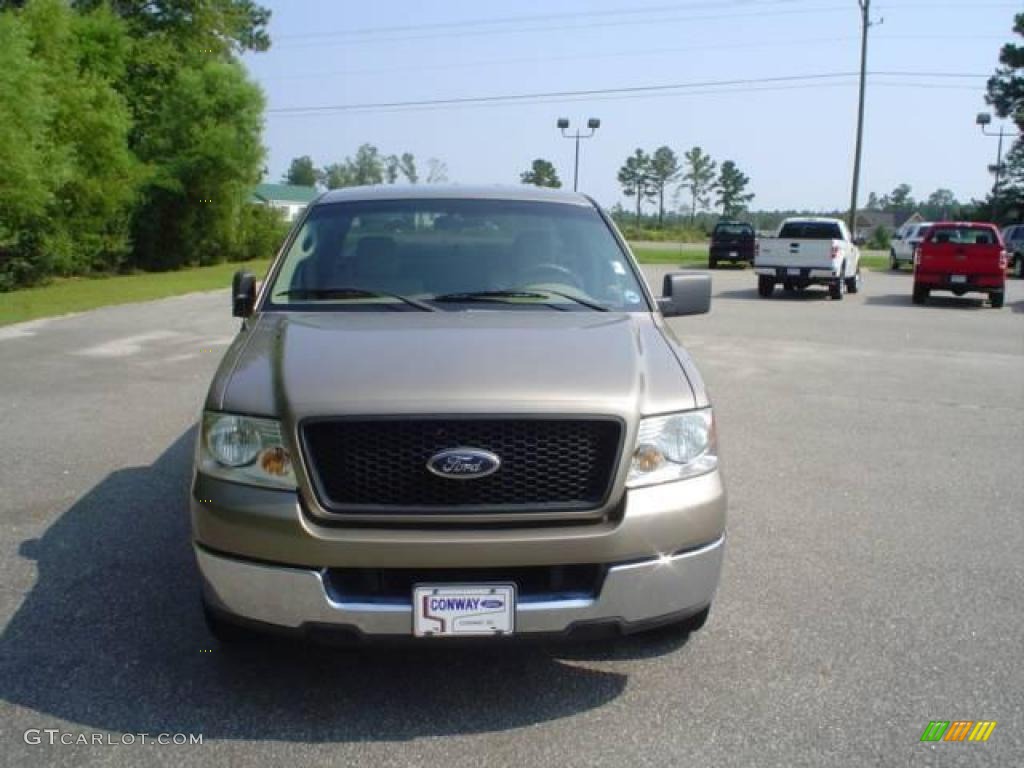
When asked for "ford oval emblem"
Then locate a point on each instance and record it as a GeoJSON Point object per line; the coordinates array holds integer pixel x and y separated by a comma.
{"type": "Point", "coordinates": [463, 463]}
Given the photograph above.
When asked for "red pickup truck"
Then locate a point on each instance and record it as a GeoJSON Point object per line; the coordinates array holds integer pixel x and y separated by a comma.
{"type": "Point", "coordinates": [961, 257]}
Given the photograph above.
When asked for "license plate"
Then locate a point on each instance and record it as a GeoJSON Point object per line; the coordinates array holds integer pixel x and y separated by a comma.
{"type": "Point", "coordinates": [958, 279]}
{"type": "Point", "coordinates": [792, 271]}
{"type": "Point", "coordinates": [733, 254]}
{"type": "Point", "coordinates": [460, 610]}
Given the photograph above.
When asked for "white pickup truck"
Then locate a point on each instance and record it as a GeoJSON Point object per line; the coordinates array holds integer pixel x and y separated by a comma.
{"type": "Point", "coordinates": [809, 251]}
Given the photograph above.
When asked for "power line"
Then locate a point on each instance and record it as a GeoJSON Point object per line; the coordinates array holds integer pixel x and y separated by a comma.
{"type": "Point", "coordinates": [525, 97]}
{"type": "Point", "coordinates": [668, 14]}
{"type": "Point", "coordinates": [646, 52]}
{"type": "Point", "coordinates": [475, 65]}
{"type": "Point", "coordinates": [549, 94]}
{"type": "Point", "coordinates": [848, 82]}
{"type": "Point", "coordinates": [327, 38]}
{"type": "Point", "coordinates": [631, 11]}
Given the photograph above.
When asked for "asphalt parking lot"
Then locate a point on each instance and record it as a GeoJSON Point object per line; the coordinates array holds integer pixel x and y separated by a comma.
{"type": "Point", "coordinates": [874, 578]}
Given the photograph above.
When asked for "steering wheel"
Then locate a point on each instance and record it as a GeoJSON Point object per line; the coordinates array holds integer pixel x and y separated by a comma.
{"type": "Point", "coordinates": [562, 275]}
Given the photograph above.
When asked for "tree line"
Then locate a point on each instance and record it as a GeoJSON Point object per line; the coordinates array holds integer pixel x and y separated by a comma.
{"type": "Point", "coordinates": [368, 166]}
{"type": "Point", "coordinates": [940, 204]}
{"type": "Point", "coordinates": [129, 136]}
{"type": "Point", "coordinates": [648, 176]}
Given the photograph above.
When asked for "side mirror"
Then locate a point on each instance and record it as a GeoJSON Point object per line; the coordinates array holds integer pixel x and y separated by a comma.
{"type": "Point", "coordinates": [896, 236]}
{"type": "Point", "coordinates": [685, 294]}
{"type": "Point", "coordinates": [859, 241]}
{"type": "Point", "coordinates": [243, 293]}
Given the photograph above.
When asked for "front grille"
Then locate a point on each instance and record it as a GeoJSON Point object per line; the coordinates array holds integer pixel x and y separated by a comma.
{"type": "Point", "coordinates": [549, 582]}
{"type": "Point", "coordinates": [380, 465]}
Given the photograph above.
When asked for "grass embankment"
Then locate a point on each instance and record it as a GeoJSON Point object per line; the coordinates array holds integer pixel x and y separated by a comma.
{"type": "Point", "coordinates": [80, 294]}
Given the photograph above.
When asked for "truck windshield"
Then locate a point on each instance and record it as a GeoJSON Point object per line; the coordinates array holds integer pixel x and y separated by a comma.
{"type": "Point", "coordinates": [810, 230]}
{"type": "Point", "coordinates": [455, 254]}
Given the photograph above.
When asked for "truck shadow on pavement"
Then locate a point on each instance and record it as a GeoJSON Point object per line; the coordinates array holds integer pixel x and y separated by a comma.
{"type": "Point", "coordinates": [111, 637]}
{"type": "Point", "coordinates": [811, 294]}
{"type": "Point", "coordinates": [952, 302]}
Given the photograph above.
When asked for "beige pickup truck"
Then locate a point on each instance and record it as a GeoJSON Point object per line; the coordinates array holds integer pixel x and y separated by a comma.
{"type": "Point", "coordinates": [457, 412]}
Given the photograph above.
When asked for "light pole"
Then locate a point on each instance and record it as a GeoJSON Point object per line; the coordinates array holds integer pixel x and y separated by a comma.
{"type": "Point", "coordinates": [984, 119]}
{"type": "Point", "coordinates": [563, 124]}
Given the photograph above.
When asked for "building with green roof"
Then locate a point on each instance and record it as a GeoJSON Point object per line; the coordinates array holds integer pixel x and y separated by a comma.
{"type": "Point", "coordinates": [290, 199]}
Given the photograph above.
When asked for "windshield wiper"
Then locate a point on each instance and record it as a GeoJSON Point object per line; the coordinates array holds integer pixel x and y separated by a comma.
{"type": "Point", "coordinates": [343, 292]}
{"type": "Point", "coordinates": [515, 293]}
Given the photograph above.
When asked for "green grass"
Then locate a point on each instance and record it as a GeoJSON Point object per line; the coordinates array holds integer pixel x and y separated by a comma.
{"type": "Point", "coordinates": [79, 294]}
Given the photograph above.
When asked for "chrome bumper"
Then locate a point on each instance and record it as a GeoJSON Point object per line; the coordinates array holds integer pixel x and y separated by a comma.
{"type": "Point", "coordinates": [814, 273]}
{"type": "Point", "coordinates": [293, 598]}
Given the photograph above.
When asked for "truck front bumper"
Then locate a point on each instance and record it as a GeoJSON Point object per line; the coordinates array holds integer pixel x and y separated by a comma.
{"type": "Point", "coordinates": [263, 559]}
{"type": "Point", "coordinates": [633, 596]}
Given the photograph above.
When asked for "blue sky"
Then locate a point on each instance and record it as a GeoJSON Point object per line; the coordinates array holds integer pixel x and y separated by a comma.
{"type": "Point", "coordinates": [793, 138]}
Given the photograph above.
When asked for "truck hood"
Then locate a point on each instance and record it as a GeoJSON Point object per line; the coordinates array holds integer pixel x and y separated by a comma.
{"type": "Point", "coordinates": [506, 361]}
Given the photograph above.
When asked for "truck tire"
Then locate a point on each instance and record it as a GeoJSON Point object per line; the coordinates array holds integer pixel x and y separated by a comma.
{"type": "Point", "coordinates": [853, 283]}
{"type": "Point", "coordinates": [712, 262]}
{"type": "Point", "coordinates": [837, 287]}
{"type": "Point", "coordinates": [997, 298]}
{"type": "Point", "coordinates": [225, 632]}
{"type": "Point", "coordinates": [765, 286]}
{"type": "Point", "coordinates": [893, 264]}
{"type": "Point", "coordinates": [1018, 265]}
{"type": "Point", "coordinates": [920, 293]}
{"type": "Point", "coordinates": [695, 622]}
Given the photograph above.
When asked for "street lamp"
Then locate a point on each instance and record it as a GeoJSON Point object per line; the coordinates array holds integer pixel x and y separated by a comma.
{"type": "Point", "coordinates": [983, 120]}
{"type": "Point", "coordinates": [563, 125]}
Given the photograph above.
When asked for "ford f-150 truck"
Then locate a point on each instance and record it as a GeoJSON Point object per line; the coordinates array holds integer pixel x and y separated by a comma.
{"type": "Point", "coordinates": [961, 257]}
{"type": "Point", "coordinates": [905, 243]}
{"type": "Point", "coordinates": [457, 412]}
{"type": "Point", "coordinates": [731, 241]}
{"type": "Point", "coordinates": [809, 251]}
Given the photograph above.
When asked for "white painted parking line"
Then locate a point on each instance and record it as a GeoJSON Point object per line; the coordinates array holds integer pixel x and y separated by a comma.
{"type": "Point", "coordinates": [127, 346]}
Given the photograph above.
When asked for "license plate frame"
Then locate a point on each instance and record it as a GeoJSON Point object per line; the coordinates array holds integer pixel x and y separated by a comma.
{"type": "Point", "coordinates": [468, 619]}
{"type": "Point", "coordinates": [793, 271]}
{"type": "Point", "coordinates": [958, 279]}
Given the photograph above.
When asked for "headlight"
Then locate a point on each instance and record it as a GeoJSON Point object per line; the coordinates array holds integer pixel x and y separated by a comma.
{"type": "Point", "coordinates": [245, 449]}
{"type": "Point", "coordinates": [673, 447]}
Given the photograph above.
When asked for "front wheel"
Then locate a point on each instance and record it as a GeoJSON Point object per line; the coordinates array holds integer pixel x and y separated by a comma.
{"type": "Point", "coordinates": [712, 262]}
{"type": "Point", "coordinates": [765, 286]}
{"type": "Point", "coordinates": [997, 298]}
{"type": "Point", "coordinates": [893, 264]}
{"type": "Point", "coordinates": [1018, 266]}
{"type": "Point", "coordinates": [920, 293]}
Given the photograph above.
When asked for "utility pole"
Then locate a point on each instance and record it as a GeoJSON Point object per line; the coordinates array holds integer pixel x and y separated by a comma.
{"type": "Point", "coordinates": [865, 22]}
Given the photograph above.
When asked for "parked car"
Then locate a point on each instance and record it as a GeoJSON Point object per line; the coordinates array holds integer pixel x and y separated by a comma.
{"type": "Point", "coordinates": [962, 257]}
{"type": "Point", "coordinates": [905, 242]}
{"type": "Point", "coordinates": [1013, 239]}
{"type": "Point", "coordinates": [731, 241]}
{"type": "Point", "coordinates": [809, 251]}
{"type": "Point", "coordinates": [481, 430]}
